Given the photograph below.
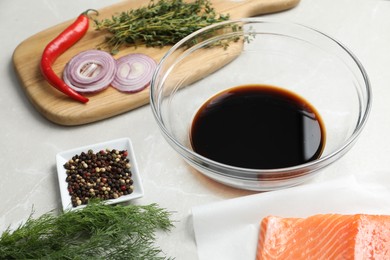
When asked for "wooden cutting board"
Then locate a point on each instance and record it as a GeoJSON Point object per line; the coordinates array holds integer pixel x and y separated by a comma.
{"type": "Point", "coordinates": [61, 109]}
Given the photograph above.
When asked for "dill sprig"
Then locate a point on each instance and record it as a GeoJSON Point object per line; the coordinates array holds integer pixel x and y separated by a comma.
{"type": "Point", "coordinates": [95, 232]}
{"type": "Point", "coordinates": [161, 23]}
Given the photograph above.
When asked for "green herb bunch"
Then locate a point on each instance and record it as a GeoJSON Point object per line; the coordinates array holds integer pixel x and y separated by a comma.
{"type": "Point", "coordinates": [96, 232]}
{"type": "Point", "coordinates": [161, 23]}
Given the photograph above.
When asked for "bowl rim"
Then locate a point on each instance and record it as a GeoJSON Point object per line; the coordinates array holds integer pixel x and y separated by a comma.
{"type": "Point", "coordinates": [279, 173]}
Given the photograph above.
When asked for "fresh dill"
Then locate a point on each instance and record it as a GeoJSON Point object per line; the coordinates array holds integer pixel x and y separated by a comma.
{"type": "Point", "coordinates": [95, 232]}
{"type": "Point", "coordinates": [161, 23]}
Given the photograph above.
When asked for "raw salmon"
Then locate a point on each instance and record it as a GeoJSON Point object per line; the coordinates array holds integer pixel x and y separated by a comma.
{"type": "Point", "coordinates": [325, 236]}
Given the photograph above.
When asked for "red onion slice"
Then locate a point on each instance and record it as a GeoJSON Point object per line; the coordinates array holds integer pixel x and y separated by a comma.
{"type": "Point", "coordinates": [90, 71]}
{"type": "Point", "coordinates": [134, 72]}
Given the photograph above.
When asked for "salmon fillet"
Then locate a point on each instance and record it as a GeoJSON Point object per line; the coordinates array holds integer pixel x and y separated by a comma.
{"type": "Point", "coordinates": [325, 236]}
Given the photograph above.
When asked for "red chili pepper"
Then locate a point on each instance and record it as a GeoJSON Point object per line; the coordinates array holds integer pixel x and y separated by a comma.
{"type": "Point", "coordinates": [58, 46]}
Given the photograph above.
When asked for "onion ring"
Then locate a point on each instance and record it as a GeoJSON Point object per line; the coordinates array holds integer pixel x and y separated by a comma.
{"type": "Point", "coordinates": [134, 72]}
{"type": "Point", "coordinates": [90, 71]}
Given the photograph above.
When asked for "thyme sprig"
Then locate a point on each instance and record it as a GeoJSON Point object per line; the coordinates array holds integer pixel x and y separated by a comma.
{"type": "Point", "coordinates": [161, 23]}
{"type": "Point", "coordinates": [96, 232]}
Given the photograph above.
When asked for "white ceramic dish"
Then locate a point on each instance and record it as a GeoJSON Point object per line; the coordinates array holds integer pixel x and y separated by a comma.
{"type": "Point", "coordinates": [119, 144]}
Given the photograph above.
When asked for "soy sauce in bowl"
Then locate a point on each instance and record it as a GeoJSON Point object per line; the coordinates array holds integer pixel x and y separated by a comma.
{"type": "Point", "coordinates": [258, 127]}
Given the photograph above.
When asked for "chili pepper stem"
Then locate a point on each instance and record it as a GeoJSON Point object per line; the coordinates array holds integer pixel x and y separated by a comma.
{"type": "Point", "coordinates": [90, 10]}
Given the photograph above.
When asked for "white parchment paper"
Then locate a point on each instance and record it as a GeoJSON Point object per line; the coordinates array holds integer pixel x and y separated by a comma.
{"type": "Point", "coordinates": [229, 229]}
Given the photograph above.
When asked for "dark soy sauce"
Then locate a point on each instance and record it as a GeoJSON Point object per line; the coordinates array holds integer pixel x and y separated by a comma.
{"type": "Point", "coordinates": [258, 127]}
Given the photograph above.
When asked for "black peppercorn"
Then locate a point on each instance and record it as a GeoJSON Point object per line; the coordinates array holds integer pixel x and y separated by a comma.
{"type": "Point", "coordinates": [104, 175]}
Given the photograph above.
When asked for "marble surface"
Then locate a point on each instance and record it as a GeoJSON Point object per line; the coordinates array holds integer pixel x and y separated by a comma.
{"type": "Point", "coordinates": [29, 142]}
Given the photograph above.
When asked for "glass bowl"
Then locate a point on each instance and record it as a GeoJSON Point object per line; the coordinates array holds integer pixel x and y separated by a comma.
{"type": "Point", "coordinates": [290, 56]}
